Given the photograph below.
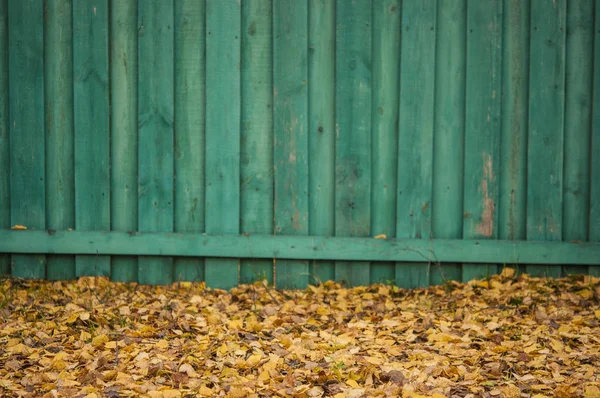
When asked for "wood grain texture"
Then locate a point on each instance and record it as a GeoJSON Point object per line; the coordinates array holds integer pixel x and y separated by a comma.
{"type": "Point", "coordinates": [4, 134]}
{"type": "Point", "coordinates": [155, 129]}
{"type": "Point", "coordinates": [353, 135]}
{"type": "Point", "coordinates": [449, 129]}
{"type": "Point", "coordinates": [416, 124]}
{"type": "Point", "coordinates": [123, 126]}
{"type": "Point", "coordinates": [223, 107]}
{"type": "Point", "coordinates": [546, 125]}
{"type": "Point", "coordinates": [58, 109]}
{"type": "Point", "coordinates": [257, 131]}
{"type": "Point", "coordinates": [190, 118]}
{"type": "Point", "coordinates": [92, 126]}
{"type": "Point", "coordinates": [482, 127]}
{"type": "Point", "coordinates": [290, 64]}
{"type": "Point", "coordinates": [321, 128]}
{"type": "Point", "coordinates": [26, 112]}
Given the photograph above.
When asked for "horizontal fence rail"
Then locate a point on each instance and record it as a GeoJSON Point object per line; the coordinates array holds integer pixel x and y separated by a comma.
{"type": "Point", "coordinates": [228, 141]}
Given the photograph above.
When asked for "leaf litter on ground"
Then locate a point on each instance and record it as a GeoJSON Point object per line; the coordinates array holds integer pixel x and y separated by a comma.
{"type": "Point", "coordinates": [506, 336]}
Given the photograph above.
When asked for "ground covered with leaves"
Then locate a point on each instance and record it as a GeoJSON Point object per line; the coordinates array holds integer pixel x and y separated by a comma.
{"type": "Point", "coordinates": [503, 337]}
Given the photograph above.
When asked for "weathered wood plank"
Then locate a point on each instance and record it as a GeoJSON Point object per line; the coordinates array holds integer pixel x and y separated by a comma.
{"type": "Point", "coordinates": [155, 124]}
{"type": "Point", "coordinates": [415, 150]}
{"type": "Point", "coordinates": [290, 74]}
{"type": "Point", "coordinates": [384, 124]}
{"type": "Point", "coordinates": [482, 127]}
{"type": "Point", "coordinates": [578, 118]}
{"type": "Point", "coordinates": [353, 124]}
{"type": "Point", "coordinates": [257, 131]}
{"type": "Point", "coordinates": [222, 206]}
{"type": "Point", "coordinates": [4, 134]}
{"type": "Point", "coordinates": [58, 107]}
{"type": "Point", "coordinates": [546, 125]}
{"type": "Point", "coordinates": [449, 129]}
{"type": "Point", "coordinates": [190, 61]}
{"type": "Point", "coordinates": [594, 233]}
{"type": "Point", "coordinates": [300, 247]}
{"type": "Point", "coordinates": [26, 94]}
{"type": "Point", "coordinates": [321, 128]}
{"type": "Point", "coordinates": [123, 126]}
{"type": "Point", "coordinates": [92, 134]}
{"type": "Point", "coordinates": [512, 197]}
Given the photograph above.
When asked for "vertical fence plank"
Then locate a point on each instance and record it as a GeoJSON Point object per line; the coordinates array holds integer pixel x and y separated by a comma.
{"type": "Point", "coordinates": [26, 93]}
{"type": "Point", "coordinates": [290, 73]}
{"type": "Point", "coordinates": [353, 124]}
{"type": "Point", "coordinates": [579, 83]}
{"type": "Point", "coordinates": [91, 117]}
{"type": "Point", "coordinates": [482, 127]}
{"type": "Point", "coordinates": [257, 131]}
{"type": "Point", "coordinates": [512, 198]}
{"type": "Point", "coordinates": [189, 128]}
{"type": "Point", "coordinates": [123, 125]}
{"type": "Point", "coordinates": [415, 147]}
{"type": "Point", "coordinates": [223, 50]}
{"type": "Point", "coordinates": [321, 128]}
{"type": "Point", "coordinates": [448, 153]}
{"type": "Point", "coordinates": [384, 114]}
{"type": "Point", "coordinates": [58, 107]}
{"type": "Point", "coordinates": [594, 224]}
{"type": "Point", "coordinates": [155, 123]}
{"type": "Point", "coordinates": [4, 134]}
{"type": "Point", "coordinates": [546, 125]}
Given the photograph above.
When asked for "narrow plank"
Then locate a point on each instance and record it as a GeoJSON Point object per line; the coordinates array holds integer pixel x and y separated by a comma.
{"type": "Point", "coordinates": [58, 107]}
{"type": "Point", "coordinates": [415, 150]}
{"type": "Point", "coordinates": [155, 129]}
{"type": "Point", "coordinates": [353, 138]}
{"type": "Point", "coordinates": [578, 117]}
{"type": "Point", "coordinates": [512, 197]}
{"type": "Point", "coordinates": [123, 125]}
{"type": "Point", "coordinates": [546, 126]}
{"type": "Point", "coordinates": [482, 128]}
{"type": "Point", "coordinates": [222, 208]}
{"type": "Point", "coordinates": [26, 94]}
{"type": "Point", "coordinates": [384, 124]}
{"type": "Point", "coordinates": [299, 247]}
{"type": "Point", "coordinates": [257, 131]}
{"type": "Point", "coordinates": [321, 127]}
{"type": "Point", "coordinates": [92, 124]}
{"type": "Point", "coordinates": [594, 225]}
{"type": "Point", "coordinates": [4, 134]}
{"type": "Point", "coordinates": [290, 74]}
{"type": "Point", "coordinates": [190, 32]}
{"type": "Point", "coordinates": [449, 129]}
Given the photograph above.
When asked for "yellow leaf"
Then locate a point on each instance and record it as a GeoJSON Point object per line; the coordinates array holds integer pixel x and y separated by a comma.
{"type": "Point", "coordinates": [84, 316]}
{"type": "Point", "coordinates": [72, 318]}
{"type": "Point", "coordinates": [162, 344]}
{"type": "Point", "coordinates": [205, 391]}
{"type": "Point", "coordinates": [352, 383]}
{"type": "Point", "coordinates": [597, 314]}
{"type": "Point", "coordinates": [171, 393]}
{"type": "Point", "coordinates": [253, 360]}
{"type": "Point", "coordinates": [19, 227]}
{"type": "Point", "coordinates": [508, 273]}
{"type": "Point", "coordinates": [380, 236]}
{"type": "Point", "coordinates": [99, 340]}
{"type": "Point", "coordinates": [84, 336]}
{"type": "Point", "coordinates": [264, 376]}
{"type": "Point", "coordinates": [591, 391]}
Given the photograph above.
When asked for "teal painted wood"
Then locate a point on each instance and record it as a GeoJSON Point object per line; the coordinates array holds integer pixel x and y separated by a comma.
{"type": "Point", "coordinates": [449, 129]}
{"type": "Point", "coordinates": [155, 123]}
{"type": "Point", "coordinates": [546, 125]}
{"type": "Point", "coordinates": [223, 82]}
{"type": "Point", "coordinates": [415, 148]}
{"type": "Point", "coordinates": [26, 93]}
{"type": "Point", "coordinates": [190, 61]}
{"type": "Point", "coordinates": [123, 125]}
{"type": "Point", "coordinates": [482, 127]}
{"type": "Point", "coordinates": [594, 225]}
{"type": "Point", "coordinates": [321, 128]}
{"type": "Point", "coordinates": [4, 134]}
{"type": "Point", "coordinates": [290, 74]}
{"type": "Point", "coordinates": [384, 125]}
{"type": "Point", "coordinates": [300, 247]}
{"type": "Point", "coordinates": [257, 131]}
{"type": "Point", "coordinates": [578, 114]}
{"type": "Point", "coordinates": [92, 124]}
{"type": "Point", "coordinates": [58, 108]}
{"type": "Point", "coordinates": [353, 124]}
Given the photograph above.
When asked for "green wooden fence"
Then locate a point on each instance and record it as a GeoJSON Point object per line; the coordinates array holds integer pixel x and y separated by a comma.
{"type": "Point", "coordinates": [233, 140]}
